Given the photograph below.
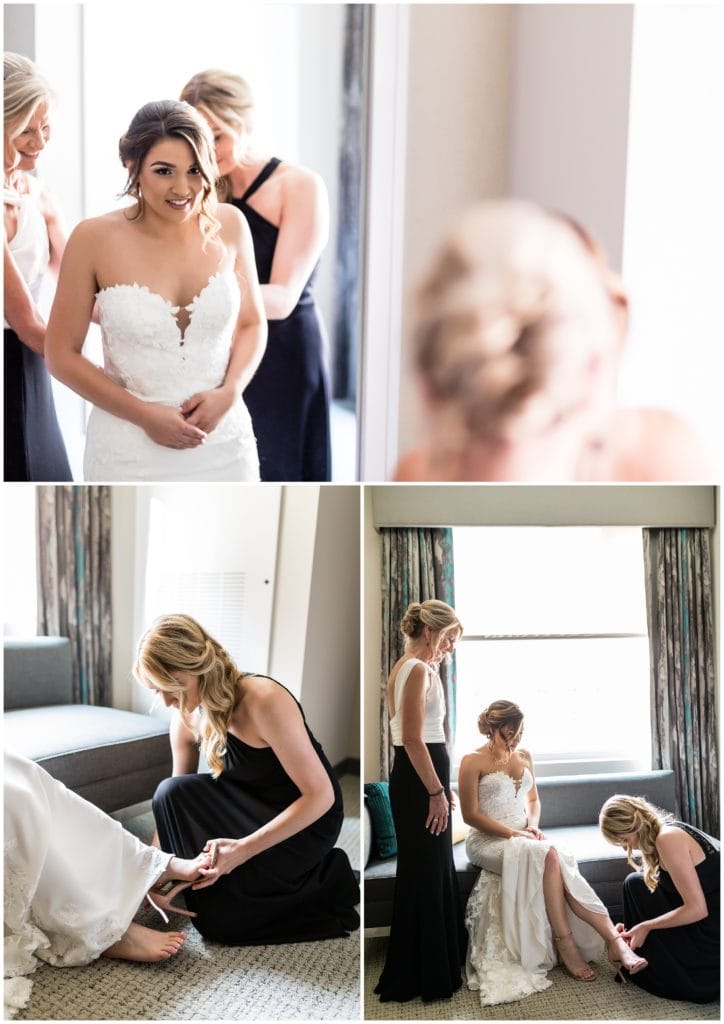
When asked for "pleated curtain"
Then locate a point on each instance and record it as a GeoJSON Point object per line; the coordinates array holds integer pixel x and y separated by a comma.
{"type": "Point", "coordinates": [74, 582]}
{"type": "Point", "coordinates": [683, 695]}
{"type": "Point", "coordinates": [417, 565]}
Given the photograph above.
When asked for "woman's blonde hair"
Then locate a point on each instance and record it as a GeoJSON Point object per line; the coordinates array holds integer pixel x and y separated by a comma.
{"type": "Point", "coordinates": [514, 320]}
{"type": "Point", "coordinates": [163, 119]}
{"type": "Point", "coordinates": [622, 815]}
{"type": "Point", "coordinates": [24, 89]}
{"type": "Point", "coordinates": [440, 617]}
{"type": "Point", "coordinates": [499, 714]}
{"type": "Point", "coordinates": [177, 643]}
{"type": "Point", "coordinates": [225, 98]}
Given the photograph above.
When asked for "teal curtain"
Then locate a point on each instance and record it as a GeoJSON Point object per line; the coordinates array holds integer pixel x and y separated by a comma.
{"type": "Point", "coordinates": [417, 565]}
{"type": "Point", "coordinates": [683, 687]}
{"type": "Point", "coordinates": [74, 582]}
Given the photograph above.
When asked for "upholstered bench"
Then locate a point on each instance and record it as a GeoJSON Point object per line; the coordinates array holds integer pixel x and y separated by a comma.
{"type": "Point", "coordinates": [111, 757]}
{"type": "Point", "coordinates": [570, 807]}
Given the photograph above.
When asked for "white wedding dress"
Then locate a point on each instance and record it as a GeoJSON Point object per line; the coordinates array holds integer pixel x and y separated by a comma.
{"type": "Point", "coordinates": [74, 878]}
{"type": "Point", "coordinates": [510, 946]}
{"type": "Point", "coordinates": [146, 352]}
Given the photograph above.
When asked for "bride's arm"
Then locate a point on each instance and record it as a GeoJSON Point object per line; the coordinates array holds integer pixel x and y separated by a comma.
{"type": "Point", "coordinates": [279, 722]}
{"type": "Point", "coordinates": [206, 408]}
{"type": "Point", "coordinates": [66, 333]}
{"type": "Point", "coordinates": [468, 778]}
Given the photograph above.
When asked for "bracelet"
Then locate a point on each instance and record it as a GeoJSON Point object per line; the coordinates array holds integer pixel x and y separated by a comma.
{"type": "Point", "coordinates": [439, 792]}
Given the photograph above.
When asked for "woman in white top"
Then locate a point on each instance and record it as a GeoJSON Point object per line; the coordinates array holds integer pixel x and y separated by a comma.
{"type": "Point", "coordinates": [34, 243]}
{"type": "Point", "coordinates": [427, 937]}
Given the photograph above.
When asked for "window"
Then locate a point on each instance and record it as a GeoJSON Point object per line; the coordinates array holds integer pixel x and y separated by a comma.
{"type": "Point", "coordinates": [20, 611]}
{"type": "Point", "coordinates": [555, 620]}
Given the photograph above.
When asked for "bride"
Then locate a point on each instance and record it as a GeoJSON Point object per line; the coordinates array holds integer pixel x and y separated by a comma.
{"type": "Point", "coordinates": [74, 878]}
{"type": "Point", "coordinates": [180, 311]}
{"type": "Point", "coordinates": [530, 905]}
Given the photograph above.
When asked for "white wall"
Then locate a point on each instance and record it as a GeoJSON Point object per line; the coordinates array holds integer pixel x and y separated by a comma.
{"type": "Point", "coordinates": [570, 70]}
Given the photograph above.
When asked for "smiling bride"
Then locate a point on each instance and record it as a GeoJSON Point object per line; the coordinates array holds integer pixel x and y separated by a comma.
{"type": "Point", "coordinates": [180, 310]}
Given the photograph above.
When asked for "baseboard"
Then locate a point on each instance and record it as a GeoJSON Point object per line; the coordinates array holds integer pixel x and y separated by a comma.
{"type": "Point", "coordinates": [350, 766]}
{"type": "Point", "coordinates": [377, 933]}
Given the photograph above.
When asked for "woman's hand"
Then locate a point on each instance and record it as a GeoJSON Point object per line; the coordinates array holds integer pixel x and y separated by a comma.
{"type": "Point", "coordinates": [168, 427]}
{"type": "Point", "coordinates": [518, 833]}
{"type": "Point", "coordinates": [206, 409]}
{"type": "Point", "coordinates": [637, 935]}
{"type": "Point", "coordinates": [225, 855]}
{"type": "Point", "coordinates": [534, 832]}
{"type": "Point", "coordinates": [437, 814]}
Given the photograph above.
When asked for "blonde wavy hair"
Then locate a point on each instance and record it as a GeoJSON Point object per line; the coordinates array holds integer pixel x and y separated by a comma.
{"type": "Point", "coordinates": [225, 98]}
{"type": "Point", "coordinates": [163, 119]}
{"type": "Point", "coordinates": [620, 816]}
{"type": "Point", "coordinates": [440, 617]}
{"type": "Point", "coordinates": [24, 89]}
{"type": "Point", "coordinates": [516, 320]}
{"type": "Point", "coordinates": [499, 714]}
{"type": "Point", "coordinates": [177, 643]}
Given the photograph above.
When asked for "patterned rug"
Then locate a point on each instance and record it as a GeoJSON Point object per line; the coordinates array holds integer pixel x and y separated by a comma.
{"type": "Point", "coordinates": [566, 999]}
{"type": "Point", "coordinates": [208, 981]}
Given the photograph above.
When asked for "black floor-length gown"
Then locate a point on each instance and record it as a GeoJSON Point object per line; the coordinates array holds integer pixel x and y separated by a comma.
{"type": "Point", "coordinates": [428, 940]}
{"type": "Point", "coordinates": [33, 444]}
{"type": "Point", "coordinates": [684, 962]}
{"type": "Point", "coordinates": [288, 397]}
{"type": "Point", "coordinates": [296, 891]}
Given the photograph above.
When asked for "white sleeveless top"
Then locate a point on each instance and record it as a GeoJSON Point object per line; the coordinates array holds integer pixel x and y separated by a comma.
{"type": "Point", "coordinates": [433, 730]}
{"type": "Point", "coordinates": [29, 246]}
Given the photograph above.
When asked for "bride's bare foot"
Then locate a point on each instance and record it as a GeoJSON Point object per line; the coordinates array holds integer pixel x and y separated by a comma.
{"type": "Point", "coordinates": [184, 870]}
{"type": "Point", "coordinates": [619, 952]}
{"type": "Point", "coordinates": [572, 958]}
{"type": "Point", "coordinates": [145, 944]}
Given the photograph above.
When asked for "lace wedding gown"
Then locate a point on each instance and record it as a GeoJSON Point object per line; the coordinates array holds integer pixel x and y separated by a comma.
{"type": "Point", "coordinates": [510, 939]}
{"type": "Point", "coordinates": [146, 352]}
{"type": "Point", "coordinates": [74, 877]}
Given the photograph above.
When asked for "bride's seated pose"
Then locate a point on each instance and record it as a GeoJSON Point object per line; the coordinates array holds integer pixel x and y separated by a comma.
{"type": "Point", "coordinates": [180, 311]}
{"type": "Point", "coordinates": [530, 906]}
{"type": "Point", "coordinates": [74, 879]}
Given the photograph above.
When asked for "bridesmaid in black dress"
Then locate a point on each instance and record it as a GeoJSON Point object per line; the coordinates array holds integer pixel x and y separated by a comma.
{"type": "Point", "coordinates": [287, 210]}
{"type": "Point", "coordinates": [428, 940]}
{"type": "Point", "coordinates": [277, 877]}
{"type": "Point", "coordinates": [671, 908]}
{"type": "Point", "coordinates": [34, 242]}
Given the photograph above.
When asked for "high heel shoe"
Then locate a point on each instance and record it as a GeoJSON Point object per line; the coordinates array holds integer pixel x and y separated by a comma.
{"type": "Point", "coordinates": [161, 901]}
{"type": "Point", "coordinates": [587, 973]}
{"type": "Point", "coordinates": [639, 965]}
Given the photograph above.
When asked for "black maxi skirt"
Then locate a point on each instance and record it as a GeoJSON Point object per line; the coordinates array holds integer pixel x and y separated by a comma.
{"type": "Point", "coordinates": [428, 940]}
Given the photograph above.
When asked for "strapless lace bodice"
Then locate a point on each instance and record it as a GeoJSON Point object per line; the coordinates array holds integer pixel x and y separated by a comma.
{"type": "Point", "coordinates": [504, 798]}
{"type": "Point", "coordinates": [145, 350]}
{"type": "Point", "coordinates": [159, 357]}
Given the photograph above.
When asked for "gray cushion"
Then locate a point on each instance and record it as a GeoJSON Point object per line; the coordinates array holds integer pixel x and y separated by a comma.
{"type": "Point", "coordinates": [577, 799]}
{"type": "Point", "coordinates": [38, 671]}
{"type": "Point", "coordinates": [112, 758]}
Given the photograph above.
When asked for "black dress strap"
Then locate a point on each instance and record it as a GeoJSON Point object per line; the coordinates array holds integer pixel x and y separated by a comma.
{"type": "Point", "coordinates": [261, 177]}
{"type": "Point", "coordinates": [706, 842]}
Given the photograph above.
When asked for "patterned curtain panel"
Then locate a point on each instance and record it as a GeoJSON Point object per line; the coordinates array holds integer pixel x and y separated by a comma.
{"type": "Point", "coordinates": [74, 582]}
{"type": "Point", "coordinates": [417, 564]}
{"type": "Point", "coordinates": [683, 704]}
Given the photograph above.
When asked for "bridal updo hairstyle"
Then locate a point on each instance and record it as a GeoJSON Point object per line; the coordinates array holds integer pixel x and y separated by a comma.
{"type": "Point", "coordinates": [440, 617]}
{"type": "Point", "coordinates": [518, 321]}
{"type": "Point", "coordinates": [177, 643]}
{"type": "Point", "coordinates": [164, 119]}
{"type": "Point", "coordinates": [24, 89]}
{"type": "Point", "coordinates": [620, 816]}
{"type": "Point", "coordinates": [225, 98]}
{"type": "Point", "coordinates": [499, 714]}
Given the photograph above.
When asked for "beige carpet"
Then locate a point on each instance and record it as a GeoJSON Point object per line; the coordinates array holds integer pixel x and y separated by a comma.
{"type": "Point", "coordinates": [566, 999]}
{"type": "Point", "coordinates": [207, 981]}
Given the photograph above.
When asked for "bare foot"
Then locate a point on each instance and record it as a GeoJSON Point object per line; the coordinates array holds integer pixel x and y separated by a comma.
{"type": "Point", "coordinates": [619, 951]}
{"type": "Point", "coordinates": [572, 958]}
{"type": "Point", "coordinates": [184, 870]}
{"type": "Point", "coordinates": [145, 944]}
